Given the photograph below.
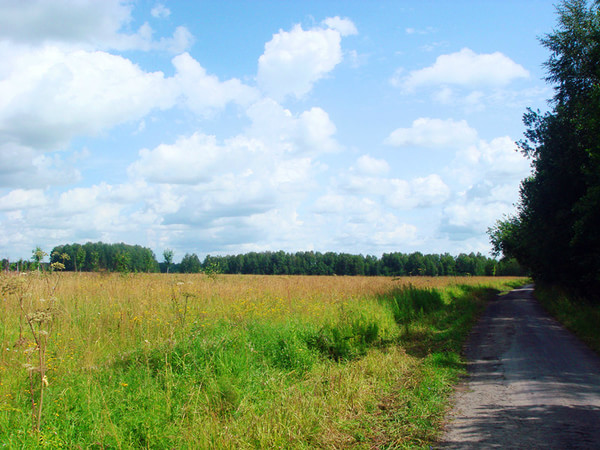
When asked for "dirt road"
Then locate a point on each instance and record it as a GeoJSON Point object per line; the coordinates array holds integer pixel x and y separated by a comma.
{"type": "Point", "coordinates": [531, 383]}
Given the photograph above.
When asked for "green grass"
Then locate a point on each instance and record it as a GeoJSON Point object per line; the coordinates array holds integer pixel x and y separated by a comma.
{"type": "Point", "coordinates": [576, 314]}
{"type": "Point", "coordinates": [374, 370]}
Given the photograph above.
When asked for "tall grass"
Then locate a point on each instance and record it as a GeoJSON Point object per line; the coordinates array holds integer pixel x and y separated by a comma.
{"type": "Point", "coordinates": [235, 361]}
{"type": "Point", "coordinates": [579, 315]}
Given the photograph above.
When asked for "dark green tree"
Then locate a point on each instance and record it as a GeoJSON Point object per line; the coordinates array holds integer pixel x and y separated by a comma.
{"type": "Point", "coordinates": [168, 258]}
{"type": "Point", "coordinates": [190, 264]}
{"type": "Point", "coordinates": [555, 232]}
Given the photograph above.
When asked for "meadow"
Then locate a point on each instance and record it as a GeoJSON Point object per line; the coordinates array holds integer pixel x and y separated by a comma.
{"type": "Point", "coordinates": [231, 361]}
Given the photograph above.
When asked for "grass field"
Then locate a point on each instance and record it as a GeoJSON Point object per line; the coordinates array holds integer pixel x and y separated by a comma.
{"type": "Point", "coordinates": [190, 361]}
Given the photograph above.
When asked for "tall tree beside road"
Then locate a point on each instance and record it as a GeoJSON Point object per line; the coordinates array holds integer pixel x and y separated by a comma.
{"type": "Point", "coordinates": [556, 230]}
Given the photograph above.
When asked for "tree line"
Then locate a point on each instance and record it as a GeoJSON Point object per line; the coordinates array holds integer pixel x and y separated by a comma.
{"type": "Point", "coordinates": [98, 256]}
{"type": "Point", "coordinates": [331, 263]}
{"type": "Point", "coordinates": [555, 232]}
{"type": "Point", "coordinates": [121, 257]}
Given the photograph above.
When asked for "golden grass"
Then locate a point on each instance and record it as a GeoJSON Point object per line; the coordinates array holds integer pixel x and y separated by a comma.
{"type": "Point", "coordinates": [101, 319]}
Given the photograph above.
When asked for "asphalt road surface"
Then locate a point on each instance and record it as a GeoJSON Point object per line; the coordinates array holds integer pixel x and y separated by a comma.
{"type": "Point", "coordinates": [531, 383]}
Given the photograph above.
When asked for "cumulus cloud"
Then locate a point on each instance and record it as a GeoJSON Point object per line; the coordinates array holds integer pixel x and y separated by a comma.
{"type": "Point", "coordinates": [426, 132]}
{"type": "Point", "coordinates": [396, 193]}
{"type": "Point", "coordinates": [496, 160]}
{"type": "Point", "coordinates": [204, 93]}
{"type": "Point", "coordinates": [310, 132]}
{"type": "Point", "coordinates": [62, 20]}
{"type": "Point", "coordinates": [49, 95]}
{"type": "Point", "coordinates": [22, 199]}
{"type": "Point", "coordinates": [100, 25]}
{"type": "Point", "coordinates": [343, 25]}
{"type": "Point", "coordinates": [26, 167]}
{"type": "Point", "coordinates": [487, 176]}
{"type": "Point", "coordinates": [464, 220]}
{"type": "Point", "coordinates": [359, 222]}
{"type": "Point", "coordinates": [240, 177]}
{"type": "Point", "coordinates": [294, 60]}
{"type": "Point", "coordinates": [190, 160]}
{"type": "Point", "coordinates": [464, 68]}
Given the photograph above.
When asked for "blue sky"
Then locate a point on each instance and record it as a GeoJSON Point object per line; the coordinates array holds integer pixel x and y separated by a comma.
{"type": "Point", "coordinates": [228, 127]}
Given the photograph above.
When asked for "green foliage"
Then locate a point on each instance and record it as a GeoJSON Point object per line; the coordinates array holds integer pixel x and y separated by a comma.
{"type": "Point", "coordinates": [168, 258]}
{"type": "Point", "coordinates": [190, 264]}
{"type": "Point", "coordinates": [330, 263]}
{"type": "Point", "coordinates": [555, 231]}
{"type": "Point", "coordinates": [38, 256]}
{"type": "Point", "coordinates": [408, 302]}
{"type": "Point", "coordinates": [577, 314]}
{"type": "Point", "coordinates": [92, 257]}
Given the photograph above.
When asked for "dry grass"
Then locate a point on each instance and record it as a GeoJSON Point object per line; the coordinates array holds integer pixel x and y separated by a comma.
{"type": "Point", "coordinates": [126, 340]}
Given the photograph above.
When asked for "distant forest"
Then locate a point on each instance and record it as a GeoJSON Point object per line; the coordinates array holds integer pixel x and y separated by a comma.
{"type": "Point", "coordinates": [99, 256]}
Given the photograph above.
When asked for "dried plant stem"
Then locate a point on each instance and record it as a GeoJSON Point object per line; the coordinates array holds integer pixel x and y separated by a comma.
{"type": "Point", "coordinates": [40, 342]}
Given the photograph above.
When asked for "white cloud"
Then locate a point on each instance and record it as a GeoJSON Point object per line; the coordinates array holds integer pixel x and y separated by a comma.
{"type": "Point", "coordinates": [62, 20]}
{"type": "Point", "coordinates": [489, 175]}
{"type": "Point", "coordinates": [25, 167]}
{"type": "Point", "coordinates": [95, 25]}
{"type": "Point", "coordinates": [204, 93]}
{"type": "Point", "coordinates": [160, 11]}
{"type": "Point", "coordinates": [371, 166]}
{"type": "Point", "coordinates": [180, 41]}
{"type": "Point", "coordinates": [238, 178]}
{"type": "Point", "coordinates": [359, 222]}
{"type": "Point", "coordinates": [396, 193]}
{"type": "Point", "coordinates": [345, 26]}
{"type": "Point", "coordinates": [393, 236]}
{"type": "Point", "coordinates": [464, 220]}
{"type": "Point", "coordinates": [427, 30]}
{"type": "Point", "coordinates": [22, 199]}
{"type": "Point", "coordinates": [48, 95]}
{"type": "Point", "coordinates": [496, 160]}
{"type": "Point", "coordinates": [426, 132]}
{"type": "Point", "coordinates": [464, 68]}
{"type": "Point", "coordinates": [418, 192]}
{"type": "Point", "coordinates": [315, 130]}
{"type": "Point", "coordinates": [293, 61]}
{"type": "Point", "coordinates": [310, 132]}
{"type": "Point", "coordinates": [188, 161]}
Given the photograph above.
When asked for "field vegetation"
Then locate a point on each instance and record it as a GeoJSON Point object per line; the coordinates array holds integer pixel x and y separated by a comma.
{"type": "Point", "coordinates": [230, 361]}
{"type": "Point", "coordinates": [580, 315]}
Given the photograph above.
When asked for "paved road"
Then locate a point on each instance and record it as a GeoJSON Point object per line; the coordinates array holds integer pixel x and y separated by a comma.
{"type": "Point", "coordinates": [531, 383]}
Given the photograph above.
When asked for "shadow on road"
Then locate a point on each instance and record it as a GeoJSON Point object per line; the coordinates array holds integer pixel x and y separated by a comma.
{"type": "Point", "coordinates": [531, 384]}
{"type": "Point", "coordinates": [531, 426]}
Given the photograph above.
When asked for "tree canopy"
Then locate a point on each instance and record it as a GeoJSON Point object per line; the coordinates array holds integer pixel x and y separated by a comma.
{"type": "Point", "coordinates": [556, 229]}
{"type": "Point", "coordinates": [100, 256]}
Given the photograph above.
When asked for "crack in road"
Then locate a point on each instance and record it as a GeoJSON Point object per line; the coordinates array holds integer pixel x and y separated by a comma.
{"type": "Point", "coordinates": [531, 383]}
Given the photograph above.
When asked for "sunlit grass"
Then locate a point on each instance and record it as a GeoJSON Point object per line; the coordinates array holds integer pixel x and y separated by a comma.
{"type": "Point", "coordinates": [236, 361]}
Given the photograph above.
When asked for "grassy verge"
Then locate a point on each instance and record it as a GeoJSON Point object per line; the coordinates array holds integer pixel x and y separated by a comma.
{"type": "Point", "coordinates": [232, 362]}
{"type": "Point", "coordinates": [576, 314]}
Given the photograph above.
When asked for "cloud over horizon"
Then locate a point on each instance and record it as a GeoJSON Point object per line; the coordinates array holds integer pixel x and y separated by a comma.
{"type": "Point", "coordinates": [122, 121]}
